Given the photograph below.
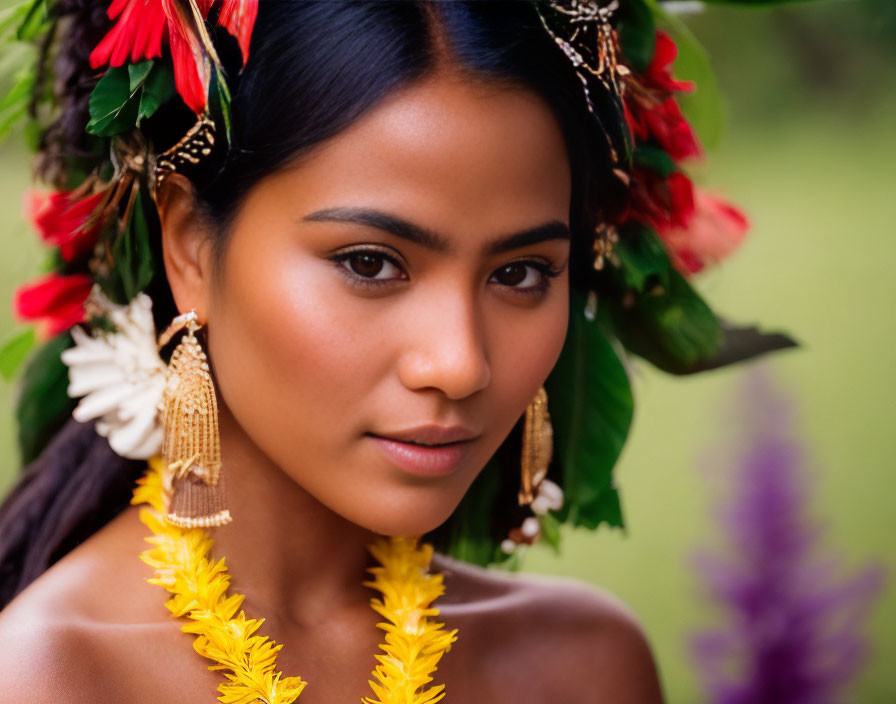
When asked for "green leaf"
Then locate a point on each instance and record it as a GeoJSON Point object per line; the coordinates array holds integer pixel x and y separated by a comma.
{"type": "Point", "coordinates": [637, 33]}
{"type": "Point", "coordinates": [137, 74]}
{"type": "Point", "coordinates": [675, 330]}
{"type": "Point", "coordinates": [14, 351]}
{"type": "Point", "coordinates": [222, 92]}
{"type": "Point", "coordinates": [591, 405]}
{"type": "Point", "coordinates": [550, 530]}
{"type": "Point", "coordinates": [24, 21]}
{"type": "Point", "coordinates": [113, 105]}
{"type": "Point", "coordinates": [133, 252]}
{"type": "Point", "coordinates": [43, 405]}
{"type": "Point", "coordinates": [14, 105]}
{"type": "Point", "coordinates": [742, 343]}
{"type": "Point", "coordinates": [643, 260]}
{"type": "Point", "coordinates": [12, 18]}
{"type": "Point", "coordinates": [655, 158]}
{"type": "Point", "coordinates": [158, 87]}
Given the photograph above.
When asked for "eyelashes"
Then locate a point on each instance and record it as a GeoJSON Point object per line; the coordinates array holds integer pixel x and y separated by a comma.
{"type": "Point", "coordinates": [373, 268]}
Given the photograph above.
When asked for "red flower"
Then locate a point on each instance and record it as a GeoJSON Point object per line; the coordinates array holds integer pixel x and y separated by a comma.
{"type": "Point", "coordinates": [142, 24]}
{"type": "Point", "coordinates": [661, 203]}
{"type": "Point", "coordinates": [715, 230]}
{"type": "Point", "coordinates": [61, 221]}
{"type": "Point", "coordinates": [192, 72]}
{"type": "Point", "coordinates": [238, 18]}
{"type": "Point", "coordinates": [59, 300]}
{"type": "Point", "coordinates": [136, 35]}
{"type": "Point", "coordinates": [651, 110]}
{"type": "Point", "coordinates": [667, 126]}
{"type": "Point", "coordinates": [658, 75]}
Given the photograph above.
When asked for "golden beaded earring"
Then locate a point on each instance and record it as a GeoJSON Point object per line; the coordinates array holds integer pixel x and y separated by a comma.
{"type": "Point", "coordinates": [538, 445]}
{"type": "Point", "coordinates": [536, 491]}
{"type": "Point", "coordinates": [191, 445]}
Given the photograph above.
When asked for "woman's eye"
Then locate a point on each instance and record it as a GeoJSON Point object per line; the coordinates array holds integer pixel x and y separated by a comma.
{"type": "Point", "coordinates": [370, 264]}
{"type": "Point", "coordinates": [522, 275]}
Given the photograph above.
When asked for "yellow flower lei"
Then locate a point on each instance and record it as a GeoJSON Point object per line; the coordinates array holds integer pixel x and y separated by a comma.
{"type": "Point", "coordinates": [413, 646]}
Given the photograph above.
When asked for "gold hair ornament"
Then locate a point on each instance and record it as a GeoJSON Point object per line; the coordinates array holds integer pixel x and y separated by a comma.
{"type": "Point", "coordinates": [188, 151]}
{"type": "Point", "coordinates": [589, 40]}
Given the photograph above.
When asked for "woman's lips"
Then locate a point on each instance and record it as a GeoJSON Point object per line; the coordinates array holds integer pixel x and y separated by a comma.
{"type": "Point", "coordinates": [423, 460]}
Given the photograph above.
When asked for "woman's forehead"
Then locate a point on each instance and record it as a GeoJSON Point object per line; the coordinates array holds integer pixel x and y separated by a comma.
{"type": "Point", "coordinates": [445, 149]}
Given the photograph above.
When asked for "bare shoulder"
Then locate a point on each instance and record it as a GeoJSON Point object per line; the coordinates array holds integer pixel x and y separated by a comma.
{"type": "Point", "coordinates": [78, 632]}
{"type": "Point", "coordinates": [584, 643]}
{"type": "Point", "coordinates": [42, 658]}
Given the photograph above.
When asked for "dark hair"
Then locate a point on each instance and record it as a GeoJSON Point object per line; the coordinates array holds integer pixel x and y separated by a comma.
{"type": "Point", "coordinates": [314, 68]}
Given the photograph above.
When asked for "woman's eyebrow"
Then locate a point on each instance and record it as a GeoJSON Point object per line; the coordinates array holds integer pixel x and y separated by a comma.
{"type": "Point", "coordinates": [420, 235]}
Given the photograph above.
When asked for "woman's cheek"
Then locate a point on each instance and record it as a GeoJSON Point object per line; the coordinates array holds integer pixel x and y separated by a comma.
{"type": "Point", "coordinates": [524, 350]}
{"type": "Point", "coordinates": [285, 348]}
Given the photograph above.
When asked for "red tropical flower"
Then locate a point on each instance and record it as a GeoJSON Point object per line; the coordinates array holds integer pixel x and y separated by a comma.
{"type": "Point", "coordinates": [141, 26]}
{"type": "Point", "coordinates": [62, 220]}
{"type": "Point", "coordinates": [238, 18]}
{"type": "Point", "coordinates": [137, 34]}
{"type": "Point", "coordinates": [667, 126]}
{"type": "Point", "coordinates": [715, 231]}
{"type": "Point", "coordinates": [192, 72]}
{"type": "Point", "coordinates": [651, 110]}
{"type": "Point", "coordinates": [658, 75]}
{"type": "Point", "coordinates": [661, 203]}
{"type": "Point", "coordinates": [58, 300]}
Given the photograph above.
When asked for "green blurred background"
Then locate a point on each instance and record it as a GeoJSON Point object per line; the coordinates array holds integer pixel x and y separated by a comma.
{"type": "Point", "coordinates": [808, 151]}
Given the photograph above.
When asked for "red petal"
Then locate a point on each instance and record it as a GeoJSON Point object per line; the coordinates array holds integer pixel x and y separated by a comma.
{"type": "Point", "coordinates": [61, 222]}
{"type": "Point", "coordinates": [658, 73]}
{"type": "Point", "coordinates": [681, 199]}
{"type": "Point", "coordinates": [716, 229]}
{"type": "Point", "coordinates": [671, 130]}
{"type": "Point", "coordinates": [192, 73]}
{"type": "Point", "coordinates": [663, 54]}
{"type": "Point", "coordinates": [136, 35]}
{"type": "Point", "coordinates": [661, 203]}
{"type": "Point", "coordinates": [57, 299]}
{"type": "Point", "coordinates": [238, 18]}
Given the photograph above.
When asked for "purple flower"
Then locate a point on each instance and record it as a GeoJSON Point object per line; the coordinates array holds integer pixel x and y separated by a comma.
{"type": "Point", "coordinates": [793, 631]}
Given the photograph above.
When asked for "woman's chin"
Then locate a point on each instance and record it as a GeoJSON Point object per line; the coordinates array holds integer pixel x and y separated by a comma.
{"type": "Point", "coordinates": [411, 520]}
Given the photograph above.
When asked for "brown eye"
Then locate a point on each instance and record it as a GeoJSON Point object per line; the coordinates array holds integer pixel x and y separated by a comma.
{"type": "Point", "coordinates": [520, 275]}
{"type": "Point", "coordinates": [366, 264]}
{"type": "Point", "coordinates": [512, 274]}
{"type": "Point", "coordinates": [369, 266]}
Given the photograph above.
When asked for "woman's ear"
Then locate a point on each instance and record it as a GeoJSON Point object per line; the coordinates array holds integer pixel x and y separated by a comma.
{"type": "Point", "coordinates": [185, 245]}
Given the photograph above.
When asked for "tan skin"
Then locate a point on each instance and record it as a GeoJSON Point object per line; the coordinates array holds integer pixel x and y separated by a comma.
{"type": "Point", "coordinates": [309, 362]}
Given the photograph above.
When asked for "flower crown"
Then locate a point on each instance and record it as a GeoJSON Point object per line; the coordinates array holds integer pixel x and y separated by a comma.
{"type": "Point", "coordinates": [159, 51]}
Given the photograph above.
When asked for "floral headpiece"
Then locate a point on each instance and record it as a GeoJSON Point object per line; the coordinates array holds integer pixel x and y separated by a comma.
{"type": "Point", "coordinates": [159, 51]}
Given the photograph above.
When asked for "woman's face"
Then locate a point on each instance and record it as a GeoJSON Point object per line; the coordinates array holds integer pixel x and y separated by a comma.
{"type": "Point", "coordinates": [404, 286]}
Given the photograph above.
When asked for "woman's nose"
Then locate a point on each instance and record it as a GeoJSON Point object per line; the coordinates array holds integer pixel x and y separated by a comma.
{"type": "Point", "coordinates": [446, 349]}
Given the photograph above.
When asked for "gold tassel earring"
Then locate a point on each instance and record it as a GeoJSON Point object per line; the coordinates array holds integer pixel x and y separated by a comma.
{"type": "Point", "coordinates": [538, 446]}
{"type": "Point", "coordinates": [191, 445]}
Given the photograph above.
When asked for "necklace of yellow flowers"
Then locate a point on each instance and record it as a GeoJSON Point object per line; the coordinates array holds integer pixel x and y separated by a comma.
{"type": "Point", "coordinates": [414, 643]}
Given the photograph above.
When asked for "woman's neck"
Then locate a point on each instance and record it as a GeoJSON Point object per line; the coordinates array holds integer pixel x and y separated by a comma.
{"type": "Point", "coordinates": [288, 553]}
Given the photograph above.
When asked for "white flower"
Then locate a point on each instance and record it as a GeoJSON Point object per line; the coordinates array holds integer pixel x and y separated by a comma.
{"type": "Point", "coordinates": [531, 528]}
{"type": "Point", "coordinates": [549, 498]}
{"type": "Point", "coordinates": [121, 377]}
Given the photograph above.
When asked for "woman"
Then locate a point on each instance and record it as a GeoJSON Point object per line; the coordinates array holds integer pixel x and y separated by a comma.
{"type": "Point", "coordinates": [378, 244]}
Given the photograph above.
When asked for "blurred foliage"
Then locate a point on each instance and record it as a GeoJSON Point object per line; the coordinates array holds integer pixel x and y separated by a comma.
{"type": "Point", "coordinates": [794, 56]}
